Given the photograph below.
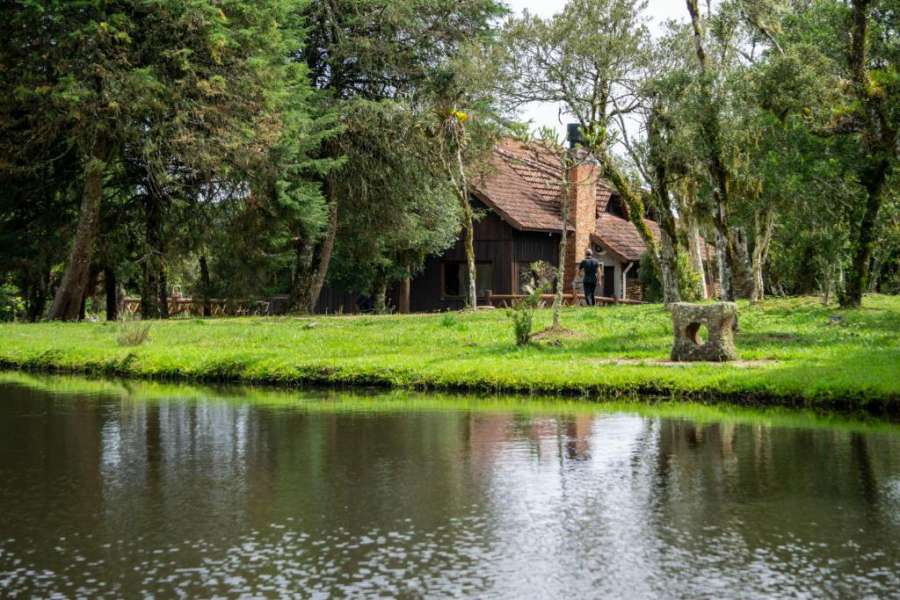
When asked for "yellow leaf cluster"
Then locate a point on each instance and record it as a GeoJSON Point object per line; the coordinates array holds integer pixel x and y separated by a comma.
{"type": "Point", "coordinates": [461, 116]}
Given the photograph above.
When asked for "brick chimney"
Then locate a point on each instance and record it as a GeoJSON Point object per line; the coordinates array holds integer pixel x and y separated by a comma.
{"type": "Point", "coordinates": [582, 216]}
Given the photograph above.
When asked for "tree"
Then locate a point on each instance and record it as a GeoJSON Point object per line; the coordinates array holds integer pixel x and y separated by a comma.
{"type": "Point", "coordinates": [377, 50]}
{"type": "Point", "coordinates": [39, 200]}
{"type": "Point", "coordinates": [875, 88]}
{"type": "Point", "coordinates": [709, 117]}
{"type": "Point", "coordinates": [399, 206]}
{"type": "Point", "coordinates": [806, 140]}
{"type": "Point", "coordinates": [454, 145]}
{"type": "Point", "coordinates": [589, 58]}
{"type": "Point", "coordinates": [141, 79]}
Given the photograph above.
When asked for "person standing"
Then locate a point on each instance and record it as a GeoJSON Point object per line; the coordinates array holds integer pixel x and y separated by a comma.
{"type": "Point", "coordinates": [589, 267]}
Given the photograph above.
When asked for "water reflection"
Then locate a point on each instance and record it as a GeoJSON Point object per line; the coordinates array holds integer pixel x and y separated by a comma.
{"type": "Point", "coordinates": [205, 496]}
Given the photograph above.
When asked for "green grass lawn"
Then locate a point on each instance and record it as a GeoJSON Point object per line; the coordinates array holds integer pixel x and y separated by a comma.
{"type": "Point", "coordinates": [793, 353]}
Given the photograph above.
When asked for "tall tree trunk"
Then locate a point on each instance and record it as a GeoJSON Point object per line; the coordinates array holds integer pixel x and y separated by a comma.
{"type": "Point", "coordinates": [740, 263]}
{"type": "Point", "coordinates": [726, 291]}
{"type": "Point", "coordinates": [471, 273]}
{"type": "Point", "coordinates": [668, 254]}
{"type": "Point", "coordinates": [304, 252]}
{"type": "Point", "coordinates": [563, 251]}
{"type": "Point", "coordinates": [697, 251]}
{"type": "Point", "coordinates": [879, 141]}
{"type": "Point", "coordinates": [311, 266]}
{"type": "Point", "coordinates": [67, 303]}
{"type": "Point", "coordinates": [668, 244]}
{"type": "Point", "coordinates": [764, 227]}
{"type": "Point", "coordinates": [379, 293]}
{"type": "Point", "coordinates": [89, 292]}
{"type": "Point", "coordinates": [469, 225]}
{"type": "Point", "coordinates": [323, 257]}
{"type": "Point", "coordinates": [635, 206]}
{"type": "Point", "coordinates": [112, 294]}
{"type": "Point", "coordinates": [668, 269]}
{"type": "Point", "coordinates": [858, 281]}
{"type": "Point", "coordinates": [38, 283]}
{"type": "Point", "coordinates": [37, 301]}
{"type": "Point", "coordinates": [152, 292]}
{"type": "Point", "coordinates": [205, 287]}
{"type": "Point", "coordinates": [163, 293]}
{"type": "Point", "coordinates": [455, 166]}
{"type": "Point", "coordinates": [405, 293]}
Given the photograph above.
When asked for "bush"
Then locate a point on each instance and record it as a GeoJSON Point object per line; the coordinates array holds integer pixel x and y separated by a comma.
{"type": "Point", "coordinates": [133, 333]}
{"type": "Point", "coordinates": [537, 281]}
{"type": "Point", "coordinates": [522, 316]}
{"type": "Point", "coordinates": [689, 283]}
{"type": "Point", "coordinates": [651, 282]}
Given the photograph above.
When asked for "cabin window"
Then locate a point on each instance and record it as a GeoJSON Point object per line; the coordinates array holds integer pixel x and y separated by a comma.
{"type": "Point", "coordinates": [484, 280]}
{"type": "Point", "coordinates": [452, 279]}
{"type": "Point", "coordinates": [614, 207]}
{"type": "Point", "coordinates": [455, 278]}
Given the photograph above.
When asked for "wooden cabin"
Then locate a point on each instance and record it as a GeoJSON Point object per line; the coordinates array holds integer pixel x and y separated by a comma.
{"type": "Point", "coordinates": [520, 197]}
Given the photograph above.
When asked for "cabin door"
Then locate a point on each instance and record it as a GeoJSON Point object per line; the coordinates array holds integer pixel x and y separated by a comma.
{"type": "Point", "coordinates": [609, 282]}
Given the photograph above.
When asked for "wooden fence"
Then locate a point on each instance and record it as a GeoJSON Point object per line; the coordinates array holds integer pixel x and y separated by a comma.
{"type": "Point", "coordinates": [188, 307]}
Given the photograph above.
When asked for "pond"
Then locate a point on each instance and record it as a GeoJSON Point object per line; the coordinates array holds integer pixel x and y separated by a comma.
{"type": "Point", "coordinates": [118, 489]}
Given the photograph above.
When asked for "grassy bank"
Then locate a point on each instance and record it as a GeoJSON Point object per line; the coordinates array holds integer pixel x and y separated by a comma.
{"type": "Point", "coordinates": [795, 352]}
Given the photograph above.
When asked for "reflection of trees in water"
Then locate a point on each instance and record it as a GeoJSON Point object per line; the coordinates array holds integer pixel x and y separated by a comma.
{"type": "Point", "coordinates": [41, 434]}
{"type": "Point", "coordinates": [862, 461]}
{"type": "Point", "coordinates": [159, 464]}
{"type": "Point", "coordinates": [719, 470]}
{"type": "Point", "coordinates": [298, 456]}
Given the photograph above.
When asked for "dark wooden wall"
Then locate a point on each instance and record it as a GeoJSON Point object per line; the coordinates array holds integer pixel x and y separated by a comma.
{"type": "Point", "coordinates": [495, 242]}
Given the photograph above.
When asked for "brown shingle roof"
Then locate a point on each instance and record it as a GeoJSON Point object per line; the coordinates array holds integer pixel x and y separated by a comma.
{"type": "Point", "coordinates": [522, 186]}
{"type": "Point", "coordinates": [621, 237]}
{"type": "Point", "coordinates": [520, 190]}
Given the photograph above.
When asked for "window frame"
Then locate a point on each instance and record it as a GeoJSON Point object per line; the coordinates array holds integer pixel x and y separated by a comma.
{"type": "Point", "coordinates": [458, 264]}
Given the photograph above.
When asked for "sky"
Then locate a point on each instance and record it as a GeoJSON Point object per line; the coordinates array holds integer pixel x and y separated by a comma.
{"type": "Point", "coordinates": [547, 115]}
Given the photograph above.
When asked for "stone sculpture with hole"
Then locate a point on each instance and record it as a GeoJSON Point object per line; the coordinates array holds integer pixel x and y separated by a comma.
{"type": "Point", "coordinates": [719, 319]}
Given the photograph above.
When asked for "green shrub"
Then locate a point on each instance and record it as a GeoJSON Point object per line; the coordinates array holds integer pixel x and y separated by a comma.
{"type": "Point", "coordinates": [689, 283]}
{"type": "Point", "coordinates": [651, 283]}
{"type": "Point", "coordinates": [536, 282]}
{"type": "Point", "coordinates": [522, 316]}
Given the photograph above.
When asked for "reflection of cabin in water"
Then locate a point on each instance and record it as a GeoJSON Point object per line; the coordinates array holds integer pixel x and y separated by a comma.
{"type": "Point", "coordinates": [521, 200]}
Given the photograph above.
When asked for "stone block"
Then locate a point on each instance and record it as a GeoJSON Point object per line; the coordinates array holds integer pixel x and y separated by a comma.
{"type": "Point", "coordinates": [719, 320]}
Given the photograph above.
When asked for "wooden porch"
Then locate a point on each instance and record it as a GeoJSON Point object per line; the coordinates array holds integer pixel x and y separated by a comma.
{"type": "Point", "coordinates": [506, 300]}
